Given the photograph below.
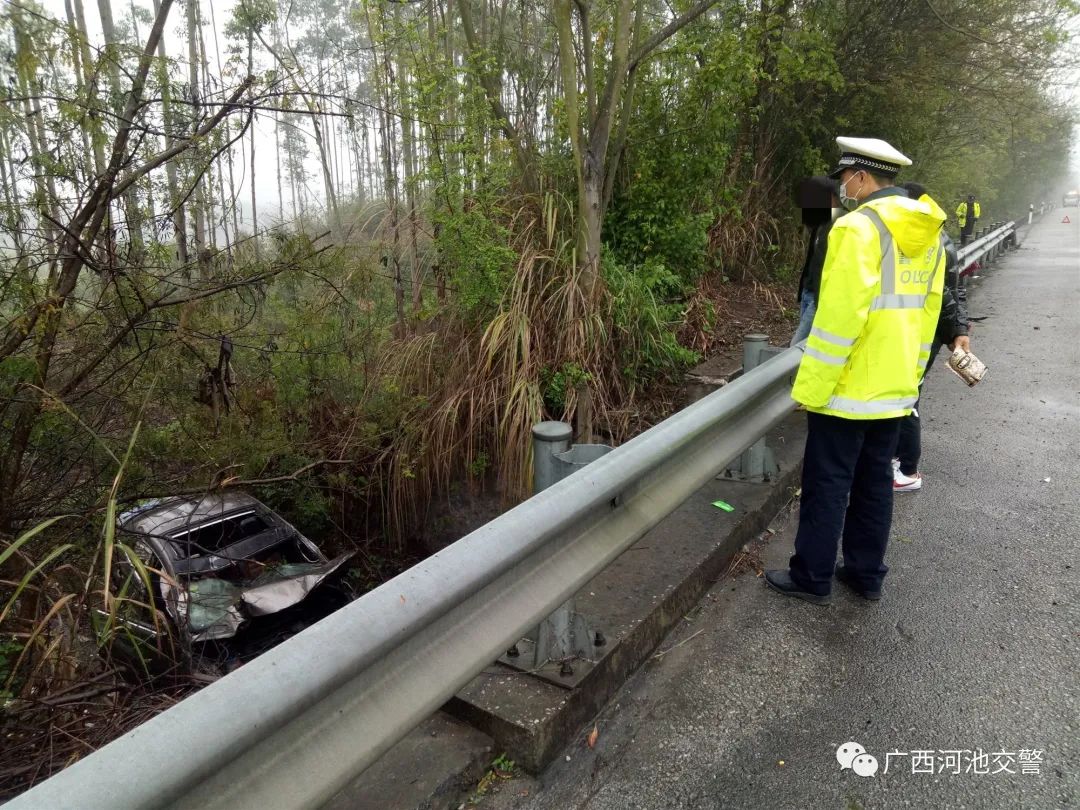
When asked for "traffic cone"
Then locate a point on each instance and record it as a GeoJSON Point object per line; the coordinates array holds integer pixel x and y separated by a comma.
{"type": "Point", "coordinates": [1066, 220]}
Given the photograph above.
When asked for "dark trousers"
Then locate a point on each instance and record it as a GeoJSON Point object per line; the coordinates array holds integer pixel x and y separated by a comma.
{"type": "Point", "coordinates": [909, 447]}
{"type": "Point", "coordinates": [966, 232]}
{"type": "Point", "coordinates": [847, 490]}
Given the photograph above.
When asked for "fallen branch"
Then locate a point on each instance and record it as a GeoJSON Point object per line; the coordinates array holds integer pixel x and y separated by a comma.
{"type": "Point", "coordinates": [662, 653]}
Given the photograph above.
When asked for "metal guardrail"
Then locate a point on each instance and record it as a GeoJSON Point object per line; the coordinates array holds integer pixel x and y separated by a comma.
{"type": "Point", "coordinates": [988, 247]}
{"type": "Point", "coordinates": [992, 242]}
{"type": "Point", "coordinates": [296, 725]}
{"type": "Point", "coordinates": [293, 727]}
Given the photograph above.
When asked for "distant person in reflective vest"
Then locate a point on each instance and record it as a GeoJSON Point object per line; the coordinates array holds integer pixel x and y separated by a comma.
{"type": "Point", "coordinates": [952, 331]}
{"type": "Point", "coordinates": [968, 214]}
{"type": "Point", "coordinates": [877, 313]}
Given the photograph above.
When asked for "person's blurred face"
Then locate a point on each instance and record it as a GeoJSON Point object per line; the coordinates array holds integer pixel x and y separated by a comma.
{"type": "Point", "coordinates": [816, 197]}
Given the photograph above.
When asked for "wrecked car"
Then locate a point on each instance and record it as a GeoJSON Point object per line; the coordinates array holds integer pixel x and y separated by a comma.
{"type": "Point", "coordinates": [217, 563]}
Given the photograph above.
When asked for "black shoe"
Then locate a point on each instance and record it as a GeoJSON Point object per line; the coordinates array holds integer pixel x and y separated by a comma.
{"type": "Point", "coordinates": [779, 579]}
{"type": "Point", "coordinates": [845, 575]}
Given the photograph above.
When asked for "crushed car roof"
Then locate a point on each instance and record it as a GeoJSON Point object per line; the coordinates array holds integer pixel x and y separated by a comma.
{"type": "Point", "coordinates": [167, 515]}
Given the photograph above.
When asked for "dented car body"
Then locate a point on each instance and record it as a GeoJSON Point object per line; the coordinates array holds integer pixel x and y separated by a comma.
{"type": "Point", "coordinates": [216, 562]}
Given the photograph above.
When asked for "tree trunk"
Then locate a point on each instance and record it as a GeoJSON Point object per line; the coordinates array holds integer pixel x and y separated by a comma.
{"type": "Point", "coordinates": [524, 152]}
{"type": "Point", "coordinates": [176, 204]}
{"type": "Point", "coordinates": [408, 146]}
{"type": "Point", "coordinates": [47, 201]}
{"type": "Point", "coordinates": [368, 173]}
{"type": "Point", "coordinates": [132, 214]}
{"type": "Point", "coordinates": [356, 168]}
{"type": "Point", "coordinates": [615, 151]}
{"type": "Point", "coordinates": [324, 162]}
{"type": "Point", "coordinates": [277, 158]}
{"type": "Point", "coordinates": [384, 83]}
{"type": "Point", "coordinates": [97, 135]}
{"type": "Point", "coordinates": [277, 143]}
{"type": "Point", "coordinates": [11, 198]}
{"type": "Point", "coordinates": [84, 227]}
{"type": "Point", "coordinates": [80, 87]}
{"type": "Point", "coordinates": [208, 184]}
{"type": "Point", "coordinates": [254, 209]}
{"type": "Point", "coordinates": [232, 202]}
{"type": "Point", "coordinates": [151, 213]}
{"type": "Point", "coordinates": [591, 223]}
{"type": "Point", "coordinates": [198, 209]}
{"type": "Point", "coordinates": [590, 144]}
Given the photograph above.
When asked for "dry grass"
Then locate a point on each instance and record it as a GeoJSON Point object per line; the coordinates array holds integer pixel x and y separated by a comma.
{"type": "Point", "coordinates": [477, 394]}
{"type": "Point", "coordinates": [44, 735]}
{"type": "Point", "coordinates": [474, 395]}
{"type": "Point", "coordinates": [65, 698]}
{"type": "Point", "coordinates": [62, 613]}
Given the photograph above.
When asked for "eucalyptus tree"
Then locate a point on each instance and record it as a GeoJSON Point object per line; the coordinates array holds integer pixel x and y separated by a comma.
{"type": "Point", "coordinates": [197, 210]}
{"type": "Point", "coordinates": [175, 200]}
{"type": "Point", "coordinates": [69, 230]}
{"type": "Point", "coordinates": [598, 77]}
{"type": "Point", "coordinates": [250, 18]}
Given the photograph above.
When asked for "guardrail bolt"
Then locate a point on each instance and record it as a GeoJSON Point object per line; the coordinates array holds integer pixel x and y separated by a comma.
{"type": "Point", "coordinates": [566, 670]}
{"type": "Point", "coordinates": [599, 640]}
{"type": "Point", "coordinates": [513, 652]}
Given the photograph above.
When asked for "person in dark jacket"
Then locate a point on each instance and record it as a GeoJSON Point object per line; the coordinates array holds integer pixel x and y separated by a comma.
{"type": "Point", "coordinates": [952, 331]}
{"type": "Point", "coordinates": [820, 208]}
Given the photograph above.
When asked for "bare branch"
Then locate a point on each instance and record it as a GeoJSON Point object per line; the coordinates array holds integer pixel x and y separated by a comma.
{"type": "Point", "coordinates": [164, 157]}
{"type": "Point", "coordinates": [669, 30]}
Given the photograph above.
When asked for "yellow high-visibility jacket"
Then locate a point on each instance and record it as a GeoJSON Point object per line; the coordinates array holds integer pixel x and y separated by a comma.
{"type": "Point", "coordinates": [962, 212]}
{"type": "Point", "coordinates": [877, 311]}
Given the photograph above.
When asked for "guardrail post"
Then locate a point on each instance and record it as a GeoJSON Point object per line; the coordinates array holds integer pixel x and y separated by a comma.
{"type": "Point", "coordinates": [404, 649]}
{"type": "Point", "coordinates": [1031, 213]}
{"type": "Point", "coordinates": [757, 461]}
{"type": "Point", "coordinates": [565, 634]}
{"type": "Point", "coordinates": [549, 438]}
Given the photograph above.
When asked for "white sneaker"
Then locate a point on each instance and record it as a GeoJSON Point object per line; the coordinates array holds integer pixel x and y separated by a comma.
{"type": "Point", "coordinates": [906, 483]}
{"type": "Point", "coordinates": [895, 465]}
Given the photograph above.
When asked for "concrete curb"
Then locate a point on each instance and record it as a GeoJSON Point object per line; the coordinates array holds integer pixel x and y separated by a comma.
{"type": "Point", "coordinates": [533, 720]}
{"type": "Point", "coordinates": [430, 769]}
{"type": "Point", "coordinates": [636, 601]}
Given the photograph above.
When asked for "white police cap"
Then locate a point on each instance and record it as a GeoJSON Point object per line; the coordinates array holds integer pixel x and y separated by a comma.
{"type": "Point", "coordinates": [869, 153]}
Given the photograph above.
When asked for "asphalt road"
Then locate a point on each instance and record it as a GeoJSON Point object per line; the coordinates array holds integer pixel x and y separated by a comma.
{"type": "Point", "coordinates": [975, 647]}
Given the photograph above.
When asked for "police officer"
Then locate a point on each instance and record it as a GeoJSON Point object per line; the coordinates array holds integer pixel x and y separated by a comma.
{"type": "Point", "coordinates": [968, 214]}
{"type": "Point", "coordinates": [870, 342]}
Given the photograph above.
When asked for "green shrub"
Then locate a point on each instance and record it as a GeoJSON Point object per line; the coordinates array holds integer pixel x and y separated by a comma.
{"type": "Point", "coordinates": [647, 308]}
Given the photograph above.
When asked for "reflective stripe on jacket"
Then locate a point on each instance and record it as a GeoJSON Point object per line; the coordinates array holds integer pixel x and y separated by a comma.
{"type": "Point", "coordinates": [877, 311]}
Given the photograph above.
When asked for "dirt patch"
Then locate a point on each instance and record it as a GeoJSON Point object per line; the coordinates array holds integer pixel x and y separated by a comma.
{"type": "Point", "coordinates": [741, 309]}
{"type": "Point", "coordinates": [466, 508]}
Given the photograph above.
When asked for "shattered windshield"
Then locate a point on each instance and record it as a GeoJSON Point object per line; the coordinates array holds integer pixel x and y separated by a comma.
{"type": "Point", "coordinates": [210, 537]}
